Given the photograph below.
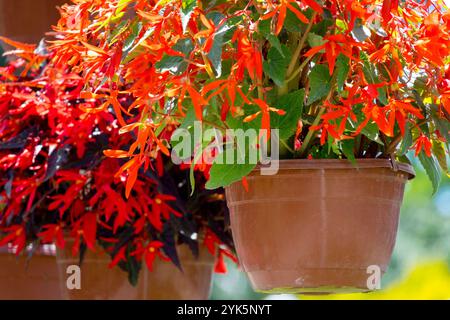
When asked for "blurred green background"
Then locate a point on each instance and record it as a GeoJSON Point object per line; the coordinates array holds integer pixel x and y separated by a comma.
{"type": "Point", "coordinates": [420, 266]}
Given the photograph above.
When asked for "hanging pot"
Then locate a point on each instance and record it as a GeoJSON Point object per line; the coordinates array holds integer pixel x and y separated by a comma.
{"type": "Point", "coordinates": [29, 278]}
{"type": "Point", "coordinates": [164, 282]}
{"type": "Point", "coordinates": [318, 226]}
{"type": "Point", "coordinates": [28, 20]}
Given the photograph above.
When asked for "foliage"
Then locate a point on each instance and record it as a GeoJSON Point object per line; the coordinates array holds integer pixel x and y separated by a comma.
{"type": "Point", "coordinates": [55, 181]}
{"type": "Point", "coordinates": [427, 281]}
{"type": "Point", "coordinates": [375, 73]}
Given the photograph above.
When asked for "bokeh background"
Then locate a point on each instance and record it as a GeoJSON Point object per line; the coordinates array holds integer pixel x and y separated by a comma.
{"type": "Point", "coordinates": [420, 266]}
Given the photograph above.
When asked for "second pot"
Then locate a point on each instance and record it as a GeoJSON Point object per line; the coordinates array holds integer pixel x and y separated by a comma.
{"type": "Point", "coordinates": [164, 282]}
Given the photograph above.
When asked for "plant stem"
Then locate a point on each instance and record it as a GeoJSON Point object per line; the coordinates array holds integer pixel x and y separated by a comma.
{"type": "Point", "coordinates": [299, 48]}
{"type": "Point", "coordinates": [316, 121]}
{"type": "Point", "coordinates": [298, 70]}
{"type": "Point", "coordinates": [310, 133]}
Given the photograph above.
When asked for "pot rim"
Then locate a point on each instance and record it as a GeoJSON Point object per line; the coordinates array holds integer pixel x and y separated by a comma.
{"type": "Point", "coordinates": [361, 163]}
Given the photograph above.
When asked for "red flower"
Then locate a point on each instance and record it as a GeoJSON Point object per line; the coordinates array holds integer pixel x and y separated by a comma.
{"type": "Point", "coordinates": [16, 237]}
{"type": "Point", "coordinates": [211, 242]}
{"type": "Point", "coordinates": [85, 228]}
{"type": "Point", "coordinates": [423, 142]}
{"type": "Point", "coordinates": [150, 252]}
{"type": "Point", "coordinates": [53, 233]}
{"type": "Point", "coordinates": [220, 266]}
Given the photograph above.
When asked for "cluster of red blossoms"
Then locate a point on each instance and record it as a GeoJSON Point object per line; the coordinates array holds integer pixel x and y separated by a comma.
{"type": "Point", "coordinates": [56, 181]}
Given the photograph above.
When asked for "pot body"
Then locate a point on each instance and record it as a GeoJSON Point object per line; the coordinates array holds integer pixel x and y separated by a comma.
{"type": "Point", "coordinates": [22, 278]}
{"type": "Point", "coordinates": [164, 282]}
{"type": "Point", "coordinates": [28, 20]}
{"type": "Point", "coordinates": [318, 226]}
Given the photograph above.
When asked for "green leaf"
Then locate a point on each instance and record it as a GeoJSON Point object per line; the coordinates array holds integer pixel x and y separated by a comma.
{"type": "Point", "coordinates": [276, 65]}
{"type": "Point", "coordinates": [275, 42]}
{"type": "Point", "coordinates": [440, 154]}
{"type": "Point", "coordinates": [360, 32]}
{"type": "Point", "coordinates": [442, 125]}
{"type": "Point", "coordinates": [342, 69]}
{"type": "Point", "coordinates": [294, 24]}
{"type": "Point", "coordinates": [264, 27]}
{"type": "Point", "coordinates": [320, 83]}
{"type": "Point", "coordinates": [372, 132]}
{"type": "Point", "coordinates": [223, 35]}
{"type": "Point", "coordinates": [222, 175]}
{"type": "Point", "coordinates": [371, 76]}
{"type": "Point", "coordinates": [292, 103]}
{"type": "Point", "coordinates": [432, 169]}
{"type": "Point", "coordinates": [347, 147]}
{"type": "Point", "coordinates": [314, 40]}
{"type": "Point", "coordinates": [407, 140]}
{"type": "Point", "coordinates": [136, 29]}
{"type": "Point", "coordinates": [176, 64]}
{"type": "Point", "coordinates": [173, 64]}
{"type": "Point", "coordinates": [187, 7]}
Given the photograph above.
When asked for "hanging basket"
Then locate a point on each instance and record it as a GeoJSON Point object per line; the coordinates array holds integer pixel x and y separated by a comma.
{"type": "Point", "coordinates": [318, 226]}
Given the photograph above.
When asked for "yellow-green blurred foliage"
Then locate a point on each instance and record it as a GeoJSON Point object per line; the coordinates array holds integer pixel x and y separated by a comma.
{"type": "Point", "coordinates": [426, 281]}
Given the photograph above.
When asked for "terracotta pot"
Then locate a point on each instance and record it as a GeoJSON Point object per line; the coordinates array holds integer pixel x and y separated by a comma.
{"type": "Point", "coordinates": [164, 282]}
{"type": "Point", "coordinates": [317, 225]}
{"type": "Point", "coordinates": [28, 20]}
{"type": "Point", "coordinates": [29, 279]}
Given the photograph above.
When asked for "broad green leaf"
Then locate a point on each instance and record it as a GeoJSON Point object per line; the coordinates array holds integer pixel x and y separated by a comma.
{"type": "Point", "coordinates": [320, 83]}
{"type": "Point", "coordinates": [432, 169]}
{"type": "Point", "coordinates": [275, 42]}
{"type": "Point", "coordinates": [342, 69]}
{"type": "Point", "coordinates": [292, 103]}
{"type": "Point", "coordinates": [292, 23]}
{"type": "Point", "coordinates": [176, 64]}
{"type": "Point", "coordinates": [440, 154]}
{"type": "Point", "coordinates": [223, 35]}
{"type": "Point", "coordinates": [264, 27]}
{"type": "Point", "coordinates": [136, 28]}
{"type": "Point", "coordinates": [360, 32]}
{"type": "Point", "coordinates": [222, 175]}
{"type": "Point", "coordinates": [321, 28]}
{"type": "Point", "coordinates": [371, 76]}
{"type": "Point", "coordinates": [347, 147]}
{"type": "Point", "coordinates": [187, 7]}
{"type": "Point", "coordinates": [276, 65]}
{"type": "Point", "coordinates": [372, 132]}
{"type": "Point", "coordinates": [264, 30]}
{"type": "Point", "coordinates": [442, 125]}
{"type": "Point", "coordinates": [173, 64]}
{"type": "Point", "coordinates": [314, 40]}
